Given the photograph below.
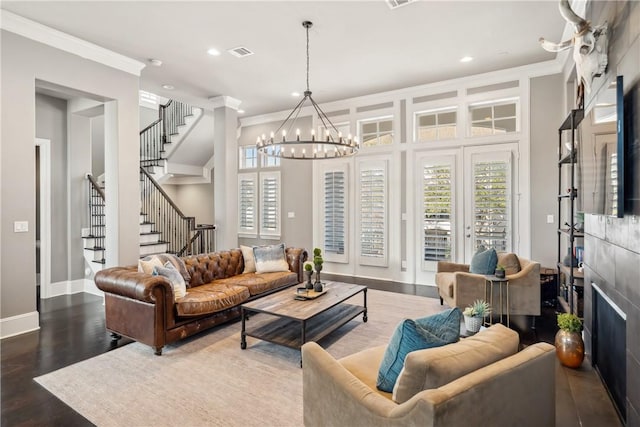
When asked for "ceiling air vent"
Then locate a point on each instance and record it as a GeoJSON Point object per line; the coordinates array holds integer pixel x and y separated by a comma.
{"type": "Point", "coordinates": [240, 52]}
{"type": "Point", "coordinates": [394, 4]}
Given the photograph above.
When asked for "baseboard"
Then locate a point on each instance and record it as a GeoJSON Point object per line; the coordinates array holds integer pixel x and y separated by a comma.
{"type": "Point", "coordinates": [69, 287]}
{"type": "Point", "coordinates": [19, 324]}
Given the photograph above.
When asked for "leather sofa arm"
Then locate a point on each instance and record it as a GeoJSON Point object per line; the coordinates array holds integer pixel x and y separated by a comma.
{"type": "Point", "coordinates": [296, 258]}
{"type": "Point", "coordinates": [451, 267]}
{"type": "Point", "coordinates": [128, 282]}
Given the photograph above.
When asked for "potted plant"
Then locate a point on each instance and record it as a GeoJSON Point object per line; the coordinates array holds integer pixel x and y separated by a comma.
{"type": "Point", "coordinates": [474, 315]}
{"type": "Point", "coordinates": [308, 271]}
{"type": "Point", "coordinates": [317, 262]}
{"type": "Point", "coordinates": [499, 272]}
{"type": "Point", "coordinates": [568, 342]}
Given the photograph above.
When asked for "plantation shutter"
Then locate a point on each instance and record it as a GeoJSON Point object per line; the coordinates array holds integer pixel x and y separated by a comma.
{"type": "Point", "coordinates": [492, 204]}
{"type": "Point", "coordinates": [247, 198]}
{"type": "Point", "coordinates": [437, 195]}
{"type": "Point", "coordinates": [270, 204]}
{"type": "Point", "coordinates": [334, 212]}
{"type": "Point", "coordinates": [373, 213]}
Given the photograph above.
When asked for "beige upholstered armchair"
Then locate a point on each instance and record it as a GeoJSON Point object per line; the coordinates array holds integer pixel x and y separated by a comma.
{"type": "Point", "coordinates": [459, 288]}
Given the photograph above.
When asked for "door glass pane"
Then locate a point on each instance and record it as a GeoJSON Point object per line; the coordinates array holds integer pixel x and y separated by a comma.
{"type": "Point", "coordinates": [491, 218]}
{"type": "Point", "coordinates": [437, 192]}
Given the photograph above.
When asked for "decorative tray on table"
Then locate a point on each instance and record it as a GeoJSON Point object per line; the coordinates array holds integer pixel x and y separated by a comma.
{"type": "Point", "coordinates": [304, 294]}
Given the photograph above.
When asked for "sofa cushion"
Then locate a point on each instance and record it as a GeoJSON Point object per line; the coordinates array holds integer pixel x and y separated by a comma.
{"type": "Point", "coordinates": [249, 259]}
{"type": "Point", "coordinates": [177, 262]}
{"type": "Point", "coordinates": [205, 268]}
{"type": "Point", "coordinates": [410, 335]}
{"type": "Point", "coordinates": [175, 278]}
{"type": "Point", "coordinates": [364, 366]}
{"type": "Point", "coordinates": [435, 367]}
{"type": "Point", "coordinates": [261, 283]}
{"type": "Point", "coordinates": [210, 298]}
{"type": "Point", "coordinates": [510, 263]}
{"type": "Point", "coordinates": [484, 261]}
{"type": "Point", "coordinates": [270, 258]}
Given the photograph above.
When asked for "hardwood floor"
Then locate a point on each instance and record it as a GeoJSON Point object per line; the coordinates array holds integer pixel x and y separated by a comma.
{"type": "Point", "coordinates": [72, 329]}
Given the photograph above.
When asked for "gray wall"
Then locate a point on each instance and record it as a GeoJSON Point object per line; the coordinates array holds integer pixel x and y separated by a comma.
{"type": "Point", "coordinates": [147, 116]}
{"type": "Point", "coordinates": [97, 146]}
{"type": "Point", "coordinates": [612, 245]}
{"type": "Point", "coordinates": [23, 62]}
{"type": "Point", "coordinates": [51, 124]}
{"type": "Point", "coordinates": [193, 200]}
{"type": "Point", "coordinates": [296, 178]}
{"type": "Point", "coordinates": [546, 106]}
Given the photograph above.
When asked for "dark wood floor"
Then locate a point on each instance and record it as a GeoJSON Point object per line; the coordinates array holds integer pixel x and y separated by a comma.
{"type": "Point", "coordinates": [72, 329]}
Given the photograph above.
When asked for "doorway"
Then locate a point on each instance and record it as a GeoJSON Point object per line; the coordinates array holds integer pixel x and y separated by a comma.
{"type": "Point", "coordinates": [43, 219]}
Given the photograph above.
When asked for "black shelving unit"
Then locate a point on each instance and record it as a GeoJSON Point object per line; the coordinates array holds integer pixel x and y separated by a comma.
{"type": "Point", "coordinates": [568, 301]}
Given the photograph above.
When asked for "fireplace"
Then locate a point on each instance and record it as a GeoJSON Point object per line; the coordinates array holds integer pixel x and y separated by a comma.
{"type": "Point", "coordinates": [609, 347]}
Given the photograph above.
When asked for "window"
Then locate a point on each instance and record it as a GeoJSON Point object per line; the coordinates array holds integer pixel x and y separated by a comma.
{"type": "Point", "coordinates": [494, 119]}
{"type": "Point", "coordinates": [376, 132]}
{"type": "Point", "coordinates": [492, 205]}
{"type": "Point", "coordinates": [271, 161]}
{"type": "Point", "coordinates": [343, 128]}
{"type": "Point", "coordinates": [335, 214]}
{"type": "Point", "coordinates": [437, 208]}
{"type": "Point", "coordinates": [372, 208]}
{"type": "Point", "coordinates": [248, 157]}
{"type": "Point", "coordinates": [270, 205]}
{"type": "Point", "coordinates": [247, 204]}
{"type": "Point", "coordinates": [436, 125]}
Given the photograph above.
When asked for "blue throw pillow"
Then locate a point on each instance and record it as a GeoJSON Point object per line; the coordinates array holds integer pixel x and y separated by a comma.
{"type": "Point", "coordinates": [411, 335]}
{"type": "Point", "coordinates": [484, 261]}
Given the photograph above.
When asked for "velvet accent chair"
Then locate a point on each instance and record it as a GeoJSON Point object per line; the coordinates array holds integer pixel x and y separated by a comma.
{"type": "Point", "coordinates": [459, 288]}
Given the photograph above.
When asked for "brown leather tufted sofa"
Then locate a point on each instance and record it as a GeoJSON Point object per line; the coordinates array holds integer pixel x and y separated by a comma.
{"type": "Point", "coordinates": [142, 307]}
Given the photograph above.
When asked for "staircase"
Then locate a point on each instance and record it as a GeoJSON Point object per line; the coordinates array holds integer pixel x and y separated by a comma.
{"type": "Point", "coordinates": [160, 218]}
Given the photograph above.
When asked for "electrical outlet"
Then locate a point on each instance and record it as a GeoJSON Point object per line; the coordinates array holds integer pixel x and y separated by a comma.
{"type": "Point", "coordinates": [20, 226]}
{"type": "Point", "coordinates": [550, 219]}
{"type": "Point", "coordinates": [403, 263]}
{"type": "Point", "coordinates": [291, 214]}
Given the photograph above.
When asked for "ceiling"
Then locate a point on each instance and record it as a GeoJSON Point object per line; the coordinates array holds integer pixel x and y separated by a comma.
{"type": "Point", "coordinates": [356, 47]}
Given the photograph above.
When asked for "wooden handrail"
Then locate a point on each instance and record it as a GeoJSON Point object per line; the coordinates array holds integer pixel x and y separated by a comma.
{"type": "Point", "coordinates": [165, 195]}
{"type": "Point", "coordinates": [96, 186]}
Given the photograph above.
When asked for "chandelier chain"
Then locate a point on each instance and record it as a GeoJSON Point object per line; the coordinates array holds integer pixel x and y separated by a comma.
{"type": "Point", "coordinates": [307, 58]}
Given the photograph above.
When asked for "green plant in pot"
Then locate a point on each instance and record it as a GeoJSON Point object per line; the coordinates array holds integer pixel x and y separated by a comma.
{"type": "Point", "coordinates": [317, 262]}
{"type": "Point", "coordinates": [474, 315]}
{"type": "Point", "coordinates": [499, 271]}
{"type": "Point", "coordinates": [308, 271]}
{"type": "Point", "coordinates": [568, 342]}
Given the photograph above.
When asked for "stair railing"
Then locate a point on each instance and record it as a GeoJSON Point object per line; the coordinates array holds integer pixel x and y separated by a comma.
{"type": "Point", "coordinates": [178, 230]}
{"type": "Point", "coordinates": [202, 241]}
{"type": "Point", "coordinates": [96, 215]}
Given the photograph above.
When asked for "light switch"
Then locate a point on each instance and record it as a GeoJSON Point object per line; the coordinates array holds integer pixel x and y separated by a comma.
{"type": "Point", "coordinates": [291, 214]}
{"type": "Point", "coordinates": [20, 226]}
{"type": "Point", "coordinates": [550, 219]}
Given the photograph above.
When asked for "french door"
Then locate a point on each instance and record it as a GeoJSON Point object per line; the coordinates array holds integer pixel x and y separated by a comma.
{"type": "Point", "coordinates": [464, 199]}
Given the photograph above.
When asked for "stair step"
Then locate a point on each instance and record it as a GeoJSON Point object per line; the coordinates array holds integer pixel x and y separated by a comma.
{"type": "Point", "coordinates": [99, 261]}
{"type": "Point", "coordinates": [149, 238]}
{"type": "Point", "coordinates": [159, 242]}
{"type": "Point", "coordinates": [94, 248]}
{"type": "Point", "coordinates": [92, 237]}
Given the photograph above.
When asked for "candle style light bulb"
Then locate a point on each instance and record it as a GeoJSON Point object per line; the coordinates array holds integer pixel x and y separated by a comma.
{"type": "Point", "coordinates": [284, 134]}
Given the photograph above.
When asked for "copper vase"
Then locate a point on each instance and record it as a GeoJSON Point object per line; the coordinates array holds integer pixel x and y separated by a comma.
{"type": "Point", "coordinates": [569, 348]}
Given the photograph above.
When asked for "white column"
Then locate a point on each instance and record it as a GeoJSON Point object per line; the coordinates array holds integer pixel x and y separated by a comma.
{"type": "Point", "coordinates": [225, 171]}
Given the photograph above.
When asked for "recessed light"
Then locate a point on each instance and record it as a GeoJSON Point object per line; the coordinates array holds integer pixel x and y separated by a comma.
{"type": "Point", "coordinates": [155, 62]}
{"type": "Point", "coordinates": [168, 87]}
{"type": "Point", "coordinates": [295, 94]}
{"type": "Point", "coordinates": [213, 52]}
{"type": "Point", "coordinates": [466, 59]}
{"type": "Point", "coordinates": [240, 111]}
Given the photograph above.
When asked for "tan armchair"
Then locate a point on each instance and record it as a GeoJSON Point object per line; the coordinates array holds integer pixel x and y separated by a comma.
{"type": "Point", "coordinates": [459, 288]}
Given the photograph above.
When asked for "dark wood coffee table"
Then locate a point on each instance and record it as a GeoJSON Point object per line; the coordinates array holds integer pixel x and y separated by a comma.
{"type": "Point", "coordinates": [292, 322]}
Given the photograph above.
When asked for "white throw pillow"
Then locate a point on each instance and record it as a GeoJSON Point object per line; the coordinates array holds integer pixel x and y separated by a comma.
{"type": "Point", "coordinates": [270, 258]}
{"type": "Point", "coordinates": [174, 277]}
{"type": "Point", "coordinates": [249, 259]}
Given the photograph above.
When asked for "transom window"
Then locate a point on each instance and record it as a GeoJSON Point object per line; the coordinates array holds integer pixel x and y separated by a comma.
{"type": "Point", "coordinates": [493, 119]}
{"type": "Point", "coordinates": [271, 161]}
{"type": "Point", "coordinates": [436, 125]}
{"type": "Point", "coordinates": [376, 132]}
{"type": "Point", "coordinates": [248, 157]}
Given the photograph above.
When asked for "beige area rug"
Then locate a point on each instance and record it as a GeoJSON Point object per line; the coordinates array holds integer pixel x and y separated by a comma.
{"type": "Point", "coordinates": [207, 380]}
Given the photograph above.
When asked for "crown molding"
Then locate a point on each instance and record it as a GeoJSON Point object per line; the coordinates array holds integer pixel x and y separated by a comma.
{"type": "Point", "coordinates": [225, 101]}
{"type": "Point", "coordinates": [57, 39]}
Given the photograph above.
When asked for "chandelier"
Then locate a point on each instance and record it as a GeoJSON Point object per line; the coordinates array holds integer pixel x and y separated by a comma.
{"type": "Point", "coordinates": [287, 144]}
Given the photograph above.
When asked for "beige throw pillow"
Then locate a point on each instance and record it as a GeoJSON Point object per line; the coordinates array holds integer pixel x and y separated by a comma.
{"type": "Point", "coordinates": [146, 266]}
{"type": "Point", "coordinates": [249, 259]}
